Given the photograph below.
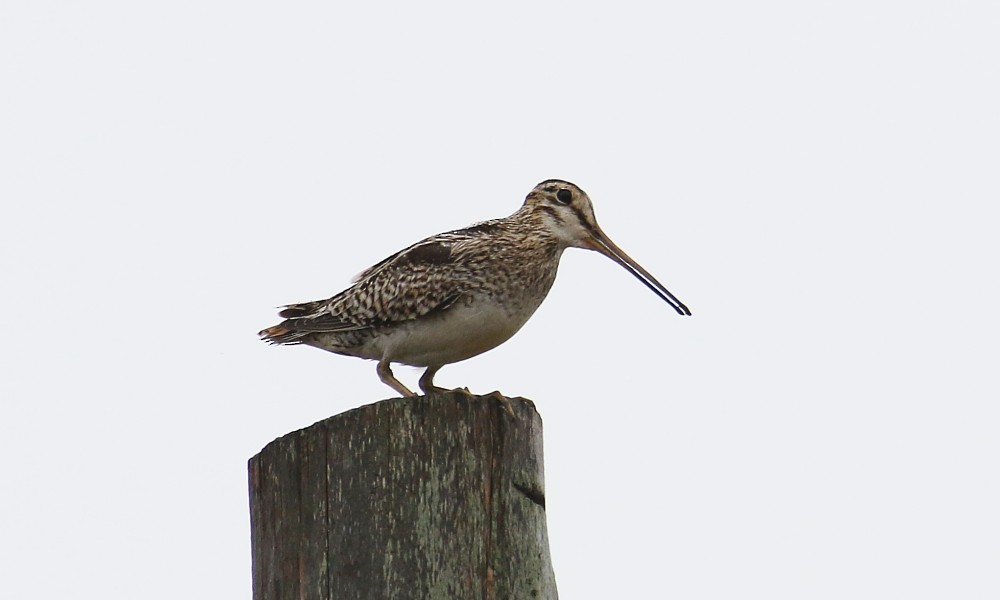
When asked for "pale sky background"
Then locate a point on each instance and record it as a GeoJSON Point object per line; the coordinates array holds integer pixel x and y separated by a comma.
{"type": "Point", "coordinates": [818, 181]}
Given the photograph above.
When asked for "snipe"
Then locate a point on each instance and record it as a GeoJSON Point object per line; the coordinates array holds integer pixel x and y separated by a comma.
{"type": "Point", "coordinates": [458, 294]}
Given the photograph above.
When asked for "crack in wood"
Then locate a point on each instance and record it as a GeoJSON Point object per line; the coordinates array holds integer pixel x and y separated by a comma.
{"type": "Point", "coordinates": [535, 495]}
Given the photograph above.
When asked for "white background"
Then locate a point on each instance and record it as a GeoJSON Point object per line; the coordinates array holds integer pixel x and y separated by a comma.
{"type": "Point", "coordinates": [818, 181]}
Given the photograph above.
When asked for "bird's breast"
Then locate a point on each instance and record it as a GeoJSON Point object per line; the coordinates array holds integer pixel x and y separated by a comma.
{"type": "Point", "coordinates": [476, 323]}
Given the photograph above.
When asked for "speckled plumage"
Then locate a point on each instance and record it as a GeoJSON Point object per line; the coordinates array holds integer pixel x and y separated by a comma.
{"type": "Point", "coordinates": [456, 294]}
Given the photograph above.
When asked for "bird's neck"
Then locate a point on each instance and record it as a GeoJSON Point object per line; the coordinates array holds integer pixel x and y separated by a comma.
{"type": "Point", "coordinates": [535, 224]}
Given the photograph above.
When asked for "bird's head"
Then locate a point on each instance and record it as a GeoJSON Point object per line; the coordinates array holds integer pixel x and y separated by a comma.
{"type": "Point", "coordinates": [565, 212]}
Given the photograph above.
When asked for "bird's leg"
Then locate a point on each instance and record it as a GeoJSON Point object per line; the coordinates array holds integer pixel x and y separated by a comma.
{"type": "Point", "coordinates": [427, 381]}
{"type": "Point", "coordinates": [427, 384]}
{"type": "Point", "coordinates": [385, 374]}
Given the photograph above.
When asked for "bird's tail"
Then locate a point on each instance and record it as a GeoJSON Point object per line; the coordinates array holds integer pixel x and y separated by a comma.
{"type": "Point", "coordinates": [284, 333]}
{"type": "Point", "coordinates": [305, 309]}
{"type": "Point", "coordinates": [281, 335]}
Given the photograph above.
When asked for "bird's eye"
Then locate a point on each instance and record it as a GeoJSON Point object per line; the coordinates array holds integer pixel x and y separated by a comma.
{"type": "Point", "coordinates": [565, 196]}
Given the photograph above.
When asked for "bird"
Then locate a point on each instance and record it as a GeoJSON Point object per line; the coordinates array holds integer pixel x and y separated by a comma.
{"type": "Point", "coordinates": [455, 295]}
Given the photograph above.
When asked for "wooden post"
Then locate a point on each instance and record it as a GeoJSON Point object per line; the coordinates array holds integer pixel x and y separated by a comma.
{"type": "Point", "coordinates": [428, 498]}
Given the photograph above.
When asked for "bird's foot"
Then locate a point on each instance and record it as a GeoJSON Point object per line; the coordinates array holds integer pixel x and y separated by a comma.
{"type": "Point", "coordinates": [504, 401]}
{"type": "Point", "coordinates": [433, 389]}
{"type": "Point", "coordinates": [462, 390]}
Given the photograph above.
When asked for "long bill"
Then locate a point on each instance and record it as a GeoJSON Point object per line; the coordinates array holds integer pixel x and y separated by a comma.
{"type": "Point", "coordinates": [604, 245]}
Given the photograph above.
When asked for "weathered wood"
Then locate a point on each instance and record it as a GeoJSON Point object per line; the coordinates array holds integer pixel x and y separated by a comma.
{"type": "Point", "coordinates": [427, 498]}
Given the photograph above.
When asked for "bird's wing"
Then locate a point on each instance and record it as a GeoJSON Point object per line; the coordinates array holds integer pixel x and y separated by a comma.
{"type": "Point", "coordinates": [410, 284]}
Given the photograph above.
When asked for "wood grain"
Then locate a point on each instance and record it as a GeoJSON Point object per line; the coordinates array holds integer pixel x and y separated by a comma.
{"type": "Point", "coordinates": [426, 498]}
